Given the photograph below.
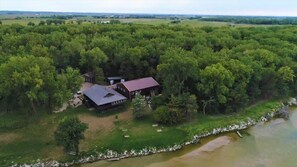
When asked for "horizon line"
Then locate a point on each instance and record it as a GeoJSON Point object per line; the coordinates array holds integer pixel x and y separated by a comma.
{"type": "Point", "coordinates": [137, 13]}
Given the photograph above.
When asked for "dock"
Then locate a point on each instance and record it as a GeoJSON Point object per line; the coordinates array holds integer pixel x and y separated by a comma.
{"type": "Point", "coordinates": [238, 133]}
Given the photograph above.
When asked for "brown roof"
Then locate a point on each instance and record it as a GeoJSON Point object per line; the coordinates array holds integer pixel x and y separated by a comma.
{"type": "Point", "coordinates": [139, 84]}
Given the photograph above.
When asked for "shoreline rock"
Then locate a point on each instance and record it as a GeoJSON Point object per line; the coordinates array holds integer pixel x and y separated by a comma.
{"type": "Point", "coordinates": [115, 156]}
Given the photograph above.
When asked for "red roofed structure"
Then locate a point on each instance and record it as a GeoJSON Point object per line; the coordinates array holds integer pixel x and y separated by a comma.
{"type": "Point", "coordinates": [145, 86]}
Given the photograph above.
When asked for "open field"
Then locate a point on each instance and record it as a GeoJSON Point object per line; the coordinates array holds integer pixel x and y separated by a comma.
{"type": "Point", "coordinates": [25, 138]}
{"type": "Point", "coordinates": [23, 22]}
{"type": "Point", "coordinates": [190, 23]}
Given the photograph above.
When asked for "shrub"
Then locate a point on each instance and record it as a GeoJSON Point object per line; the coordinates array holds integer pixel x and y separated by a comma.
{"type": "Point", "coordinates": [157, 101]}
{"type": "Point", "coordinates": [139, 106]}
{"type": "Point", "coordinates": [168, 116]}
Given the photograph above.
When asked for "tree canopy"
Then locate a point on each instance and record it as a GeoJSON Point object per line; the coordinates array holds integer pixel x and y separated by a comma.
{"type": "Point", "coordinates": [230, 67]}
{"type": "Point", "coordinates": [69, 133]}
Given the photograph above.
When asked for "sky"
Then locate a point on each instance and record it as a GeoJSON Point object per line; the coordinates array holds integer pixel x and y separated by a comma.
{"type": "Point", "coordinates": [208, 7]}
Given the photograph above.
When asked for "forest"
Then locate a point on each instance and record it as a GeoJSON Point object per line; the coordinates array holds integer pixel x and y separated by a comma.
{"type": "Point", "coordinates": [253, 20]}
{"type": "Point", "coordinates": [219, 69]}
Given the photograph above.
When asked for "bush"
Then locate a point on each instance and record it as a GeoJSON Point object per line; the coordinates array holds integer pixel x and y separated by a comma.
{"type": "Point", "coordinates": [168, 116]}
{"type": "Point", "coordinates": [157, 101]}
{"type": "Point", "coordinates": [139, 106]}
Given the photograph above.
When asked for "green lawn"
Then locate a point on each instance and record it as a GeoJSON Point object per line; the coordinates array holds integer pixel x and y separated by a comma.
{"type": "Point", "coordinates": [23, 138]}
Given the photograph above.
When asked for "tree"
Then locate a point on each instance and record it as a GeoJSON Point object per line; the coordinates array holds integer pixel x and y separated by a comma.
{"type": "Point", "coordinates": [139, 106]}
{"type": "Point", "coordinates": [24, 80]}
{"type": "Point", "coordinates": [34, 81]}
{"type": "Point", "coordinates": [92, 59]}
{"type": "Point", "coordinates": [186, 103]}
{"type": "Point", "coordinates": [191, 106]}
{"type": "Point", "coordinates": [0, 22]}
{"type": "Point", "coordinates": [205, 103]}
{"type": "Point", "coordinates": [79, 22]}
{"type": "Point", "coordinates": [69, 133]}
{"type": "Point", "coordinates": [168, 115]}
{"type": "Point", "coordinates": [40, 51]}
{"type": "Point", "coordinates": [175, 68]}
{"type": "Point", "coordinates": [71, 51]}
{"type": "Point", "coordinates": [42, 23]}
{"type": "Point", "coordinates": [216, 81]}
{"type": "Point", "coordinates": [31, 24]}
{"type": "Point", "coordinates": [238, 96]}
{"type": "Point", "coordinates": [157, 101]}
{"type": "Point", "coordinates": [285, 76]}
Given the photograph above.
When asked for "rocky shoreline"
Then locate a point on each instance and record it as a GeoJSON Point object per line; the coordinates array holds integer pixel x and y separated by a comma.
{"type": "Point", "coordinates": [114, 156]}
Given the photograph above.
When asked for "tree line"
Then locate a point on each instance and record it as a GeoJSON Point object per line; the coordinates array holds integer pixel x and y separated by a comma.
{"type": "Point", "coordinates": [221, 69]}
{"type": "Point", "coordinates": [254, 20]}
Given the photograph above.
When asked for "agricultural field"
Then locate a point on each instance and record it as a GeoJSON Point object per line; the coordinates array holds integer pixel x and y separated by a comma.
{"type": "Point", "coordinates": [89, 20]}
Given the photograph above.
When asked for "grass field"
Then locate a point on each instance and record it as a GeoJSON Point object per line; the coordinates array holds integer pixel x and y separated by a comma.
{"type": "Point", "coordinates": [26, 138]}
{"type": "Point", "coordinates": [191, 23]}
{"type": "Point", "coordinates": [23, 22]}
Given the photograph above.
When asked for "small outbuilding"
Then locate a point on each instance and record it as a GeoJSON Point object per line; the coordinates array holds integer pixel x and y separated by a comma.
{"type": "Point", "coordinates": [89, 77]}
{"type": "Point", "coordinates": [103, 98]}
{"type": "Point", "coordinates": [145, 86]}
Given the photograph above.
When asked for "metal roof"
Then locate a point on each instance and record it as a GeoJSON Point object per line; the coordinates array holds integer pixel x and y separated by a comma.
{"type": "Point", "coordinates": [139, 84]}
{"type": "Point", "coordinates": [102, 95]}
{"type": "Point", "coordinates": [115, 78]}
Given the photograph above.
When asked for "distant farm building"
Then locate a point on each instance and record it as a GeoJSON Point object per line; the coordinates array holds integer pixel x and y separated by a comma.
{"type": "Point", "coordinates": [105, 22]}
{"type": "Point", "coordinates": [146, 86]}
{"type": "Point", "coordinates": [103, 98]}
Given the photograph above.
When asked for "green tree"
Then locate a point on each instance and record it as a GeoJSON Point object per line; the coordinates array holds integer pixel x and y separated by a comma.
{"type": "Point", "coordinates": [40, 51]}
{"type": "Point", "coordinates": [191, 106]}
{"type": "Point", "coordinates": [29, 82]}
{"type": "Point", "coordinates": [168, 115]}
{"type": "Point", "coordinates": [216, 81]}
{"type": "Point", "coordinates": [186, 103]}
{"type": "Point", "coordinates": [175, 68]}
{"type": "Point", "coordinates": [69, 133]}
{"type": "Point", "coordinates": [92, 59]}
{"type": "Point", "coordinates": [139, 106]}
{"type": "Point", "coordinates": [238, 96]}
{"type": "Point", "coordinates": [24, 80]}
{"type": "Point", "coordinates": [31, 24]}
{"type": "Point", "coordinates": [73, 80]}
{"type": "Point", "coordinates": [157, 101]}
{"type": "Point", "coordinates": [285, 76]}
{"type": "Point", "coordinates": [42, 23]}
{"type": "Point", "coordinates": [71, 52]}
{"type": "Point", "coordinates": [115, 21]}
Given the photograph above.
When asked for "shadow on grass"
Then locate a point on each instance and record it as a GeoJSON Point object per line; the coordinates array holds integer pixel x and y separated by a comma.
{"type": "Point", "coordinates": [113, 111]}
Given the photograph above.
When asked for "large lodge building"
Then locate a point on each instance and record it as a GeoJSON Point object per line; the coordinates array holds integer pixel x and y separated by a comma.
{"type": "Point", "coordinates": [104, 97]}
